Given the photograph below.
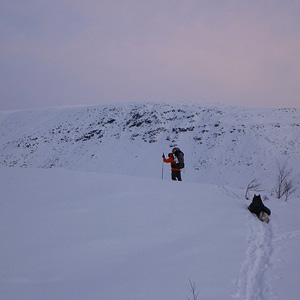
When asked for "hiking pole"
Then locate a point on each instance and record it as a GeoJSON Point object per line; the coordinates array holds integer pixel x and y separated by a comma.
{"type": "Point", "coordinates": [162, 169]}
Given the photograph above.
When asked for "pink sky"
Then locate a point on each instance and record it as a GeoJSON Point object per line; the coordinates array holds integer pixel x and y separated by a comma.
{"type": "Point", "coordinates": [65, 52]}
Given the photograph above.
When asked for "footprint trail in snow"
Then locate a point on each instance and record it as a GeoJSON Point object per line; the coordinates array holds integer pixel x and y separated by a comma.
{"type": "Point", "coordinates": [252, 283]}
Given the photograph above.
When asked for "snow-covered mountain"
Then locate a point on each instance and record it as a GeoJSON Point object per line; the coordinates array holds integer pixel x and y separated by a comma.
{"type": "Point", "coordinates": [222, 144]}
{"type": "Point", "coordinates": [83, 233]}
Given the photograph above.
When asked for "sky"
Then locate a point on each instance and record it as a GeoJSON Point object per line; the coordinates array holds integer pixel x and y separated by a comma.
{"type": "Point", "coordinates": [72, 52]}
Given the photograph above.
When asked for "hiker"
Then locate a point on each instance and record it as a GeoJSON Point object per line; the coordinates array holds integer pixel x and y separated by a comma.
{"type": "Point", "coordinates": [176, 158]}
{"type": "Point", "coordinates": [175, 173]}
{"type": "Point", "coordinates": [257, 207]}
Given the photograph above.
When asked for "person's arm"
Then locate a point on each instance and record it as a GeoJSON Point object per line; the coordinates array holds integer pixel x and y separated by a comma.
{"type": "Point", "coordinates": [169, 160]}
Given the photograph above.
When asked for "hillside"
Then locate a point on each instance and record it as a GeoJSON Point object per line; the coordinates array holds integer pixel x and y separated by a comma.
{"type": "Point", "coordinates": [222, 145]}
{"type": "Point", "coordinates": [84, 235]}
{"type": "Point", "coordinates": [85, 214]}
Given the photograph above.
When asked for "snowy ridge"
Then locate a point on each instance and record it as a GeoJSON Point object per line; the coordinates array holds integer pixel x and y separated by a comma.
{"type": "Point", "coordinates": [222, 144]}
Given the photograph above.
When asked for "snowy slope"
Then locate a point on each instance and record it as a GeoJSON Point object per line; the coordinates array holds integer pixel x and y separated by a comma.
{"type": "Point", "coordinates": [84, 235]}
{"type": "Point", "coordinates": [90, 218]}
{"type": "Point", "coordinates": [222, 144]}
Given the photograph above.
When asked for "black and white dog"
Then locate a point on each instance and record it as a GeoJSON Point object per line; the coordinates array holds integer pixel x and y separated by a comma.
{"type": "Point", "coordinates": [257, 207]}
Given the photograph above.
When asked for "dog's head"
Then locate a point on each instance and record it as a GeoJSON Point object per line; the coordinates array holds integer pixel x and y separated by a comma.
{"type": "Point", "coordinates": [256, 198]}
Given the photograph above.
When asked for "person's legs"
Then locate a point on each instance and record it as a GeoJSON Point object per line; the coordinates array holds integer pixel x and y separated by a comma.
{"type": "Point", "coordinates": [173, 175]}
{"type": "Point", "coordinates": [179, 176]}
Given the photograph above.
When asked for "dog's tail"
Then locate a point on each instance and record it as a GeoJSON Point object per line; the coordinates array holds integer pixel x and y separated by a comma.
{"type": "Point", "coordinates": [263, 216]}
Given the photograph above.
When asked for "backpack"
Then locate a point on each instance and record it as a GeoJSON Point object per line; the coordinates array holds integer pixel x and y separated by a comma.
{"type": "Point", "coordinates": [179, 159]}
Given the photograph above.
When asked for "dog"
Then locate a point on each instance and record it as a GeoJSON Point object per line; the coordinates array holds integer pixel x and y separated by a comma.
{"type": "Point", "coordinates": [257, 207]}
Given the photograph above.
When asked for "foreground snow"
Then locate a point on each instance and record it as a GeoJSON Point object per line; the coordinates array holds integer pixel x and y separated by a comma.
{"type": "Point", "coordinates": [82, 235]}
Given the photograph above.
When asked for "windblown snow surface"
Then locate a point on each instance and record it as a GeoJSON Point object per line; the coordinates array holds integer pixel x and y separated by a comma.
{"type": "Point", "coordinates": [86, 214]}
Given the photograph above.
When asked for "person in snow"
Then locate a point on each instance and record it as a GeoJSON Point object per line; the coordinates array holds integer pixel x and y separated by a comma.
{"type": "Point", "coordinates": [175, 172]}
{"type": "Point", "coordinates": [257, 207]}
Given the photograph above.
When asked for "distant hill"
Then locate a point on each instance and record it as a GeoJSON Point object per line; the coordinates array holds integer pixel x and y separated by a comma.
{"type": "Point", "coordinates": [222, 144]}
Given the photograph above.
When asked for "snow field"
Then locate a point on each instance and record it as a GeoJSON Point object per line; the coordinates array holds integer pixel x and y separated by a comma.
{"type": "Point", "coordinates": [111, 229]}
{"type": "Point", "coordinates": [84, 235]}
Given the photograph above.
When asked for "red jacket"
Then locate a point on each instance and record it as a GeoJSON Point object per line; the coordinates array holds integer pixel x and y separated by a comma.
{"type": "Point", "coordinates": [171, 160]}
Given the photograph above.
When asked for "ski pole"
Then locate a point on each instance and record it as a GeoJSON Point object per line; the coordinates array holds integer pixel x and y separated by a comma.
{"type": "Point", "coordinates": [162, 168]}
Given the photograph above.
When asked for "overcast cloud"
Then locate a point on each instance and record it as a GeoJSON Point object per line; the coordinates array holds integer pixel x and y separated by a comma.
{"type": "Point", "coordinates": [65, 52]}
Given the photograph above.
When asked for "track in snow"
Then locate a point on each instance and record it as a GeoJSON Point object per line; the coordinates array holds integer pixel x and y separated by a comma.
{"type": "Point", "coordinates": [252, 283]}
